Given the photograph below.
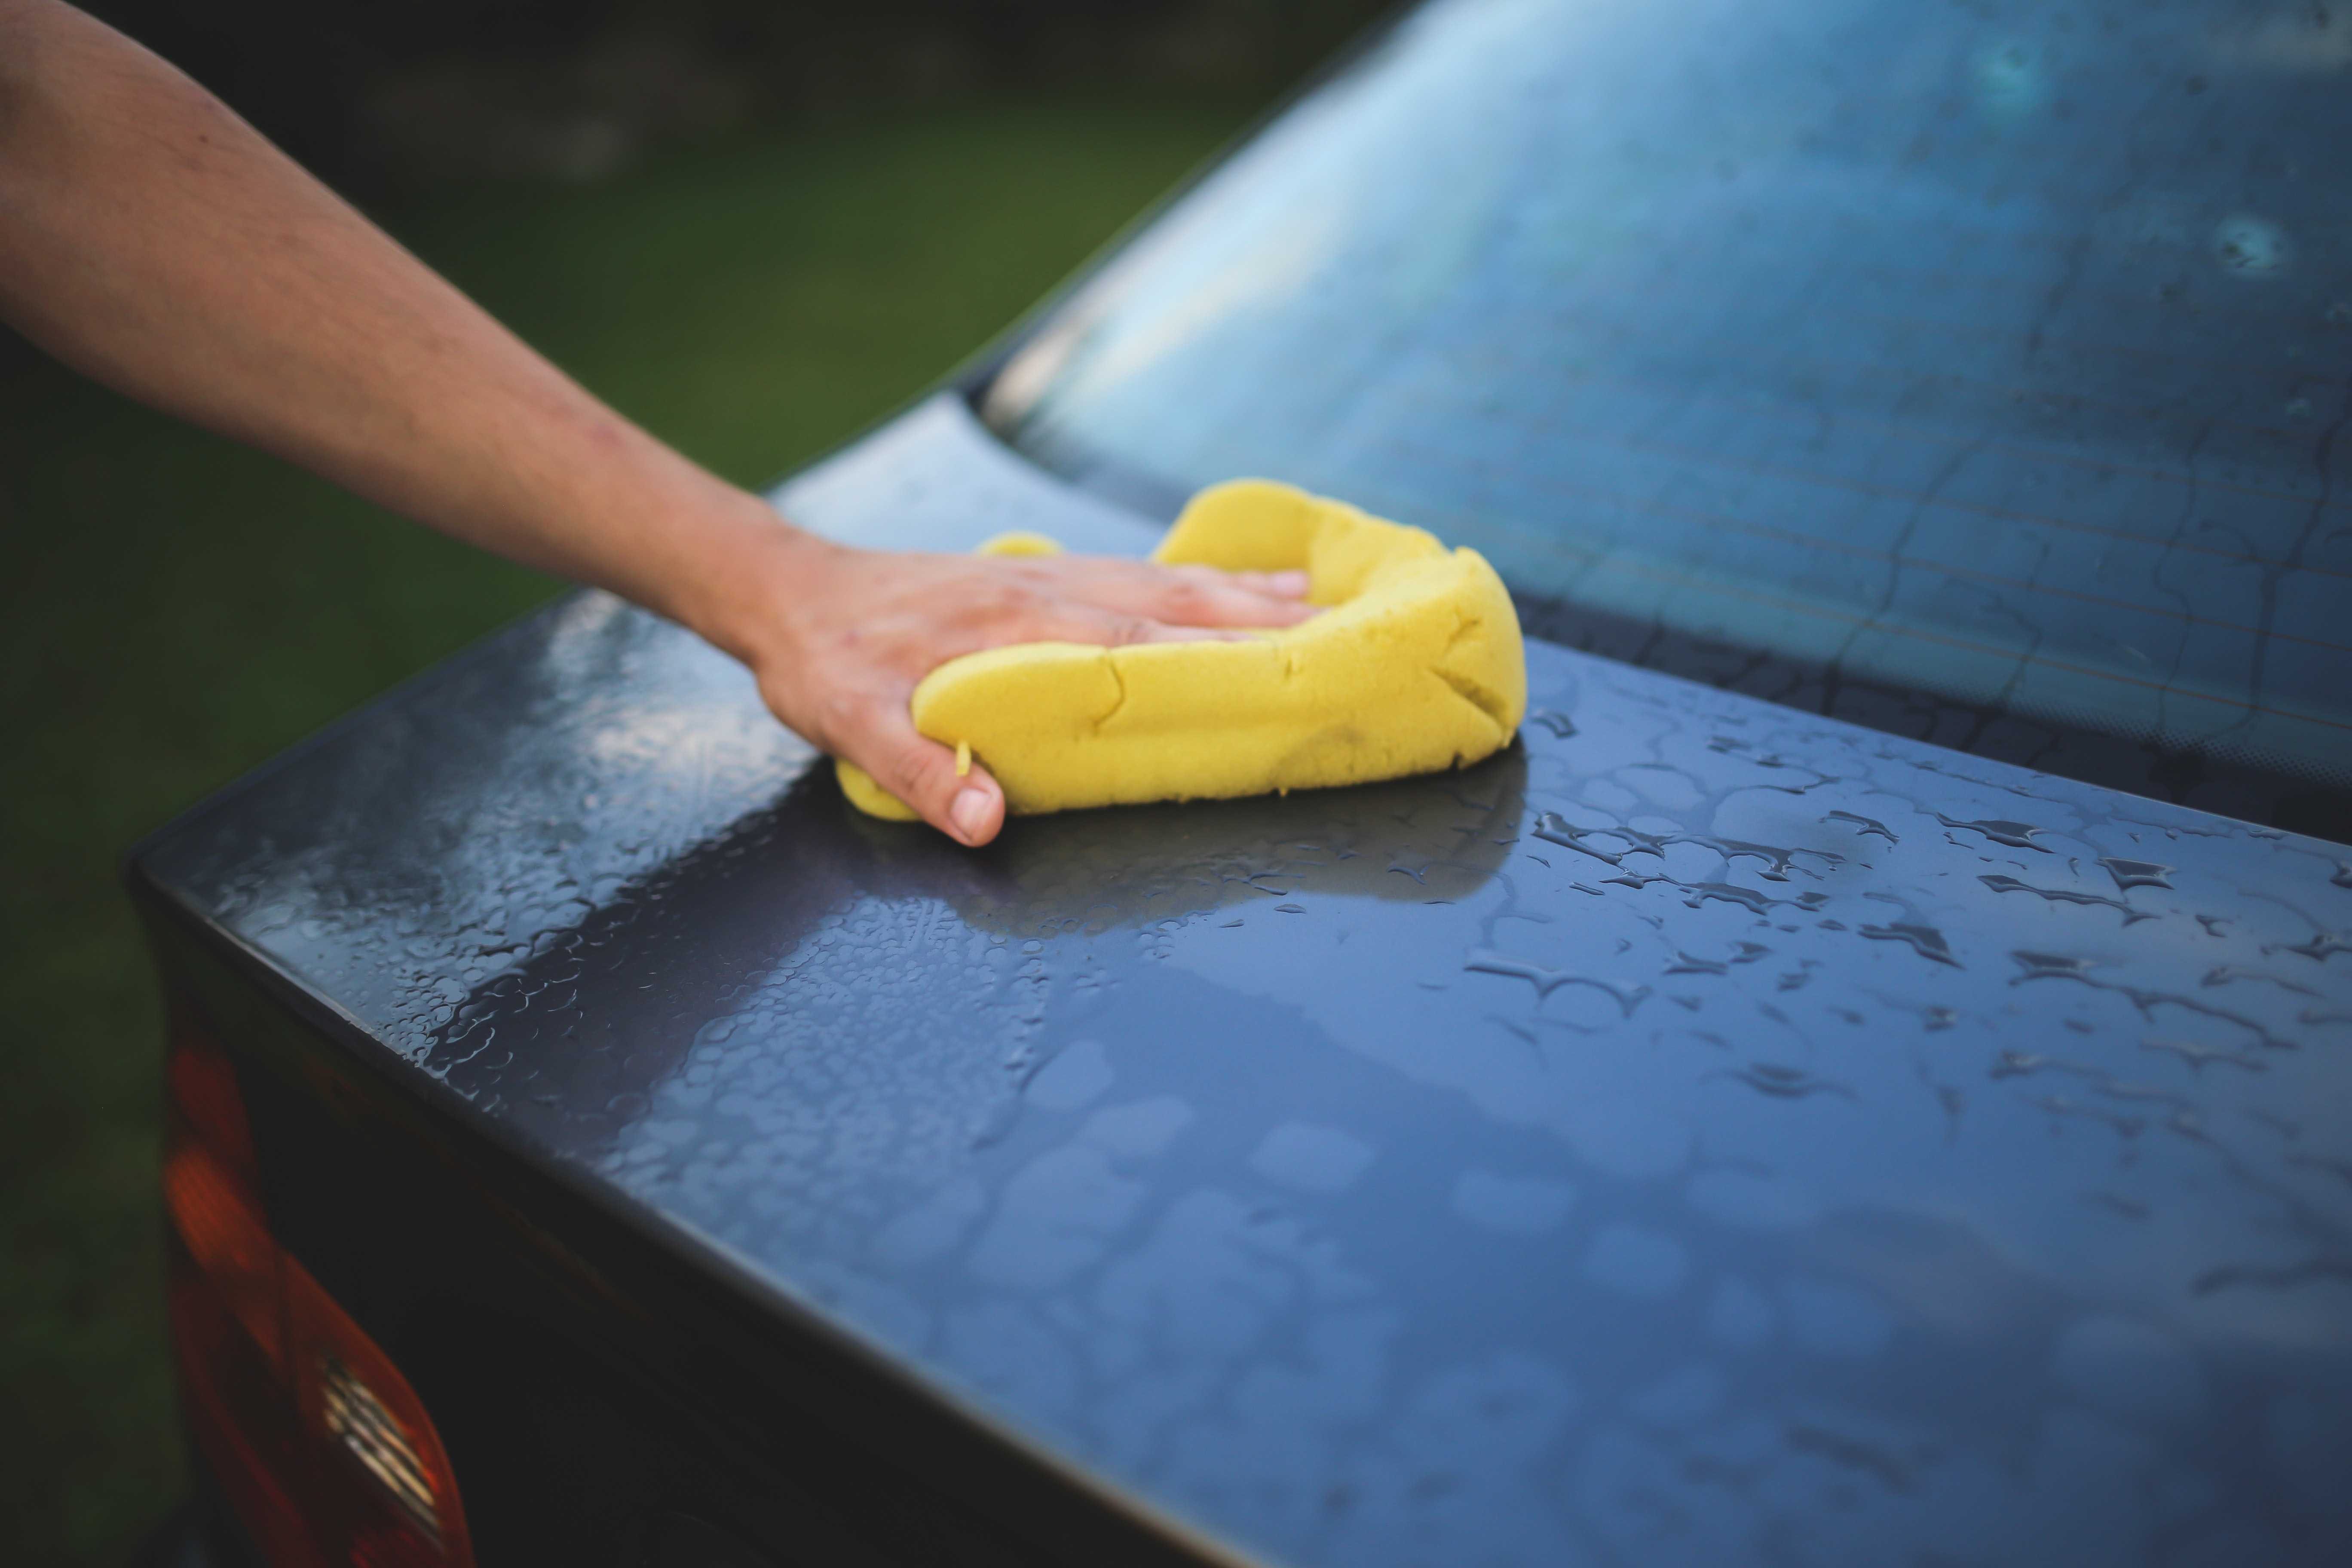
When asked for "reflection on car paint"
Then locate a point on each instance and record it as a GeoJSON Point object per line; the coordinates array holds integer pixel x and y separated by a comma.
{"type": "Point", "coordinates": [1844, 350]}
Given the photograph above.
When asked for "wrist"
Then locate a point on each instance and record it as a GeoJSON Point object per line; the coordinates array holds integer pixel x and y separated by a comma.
{"type": "Point", "coordinates": [745, 596]}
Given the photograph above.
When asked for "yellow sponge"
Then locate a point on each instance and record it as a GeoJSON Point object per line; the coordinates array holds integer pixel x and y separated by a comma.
{"type": "Point", "coordinates": [1415, 665]}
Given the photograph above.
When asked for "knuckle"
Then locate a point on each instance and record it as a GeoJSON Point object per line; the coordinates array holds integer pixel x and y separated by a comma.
{"type": "Point", "coordinates": [915, 767]}
{"type": "Point", "coordinates": [845, 711]}
{"type": "Point", "coordinates": [1187, 600]}
{"type": "Point", "coordinates": [1008, 604]}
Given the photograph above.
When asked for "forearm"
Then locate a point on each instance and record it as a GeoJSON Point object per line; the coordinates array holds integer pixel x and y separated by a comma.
{"type": "Point", "coordinates": [152, 239]}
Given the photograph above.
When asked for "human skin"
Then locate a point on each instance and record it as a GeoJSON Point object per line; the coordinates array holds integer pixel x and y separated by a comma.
{"type": "Point", "coordinates": [156, 242]}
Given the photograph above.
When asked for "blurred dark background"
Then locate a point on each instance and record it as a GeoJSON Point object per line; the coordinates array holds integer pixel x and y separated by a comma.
{"type": "Point", "coordinates": [385, 97]}
{"type": "Point", "coordinates": [754, 229]}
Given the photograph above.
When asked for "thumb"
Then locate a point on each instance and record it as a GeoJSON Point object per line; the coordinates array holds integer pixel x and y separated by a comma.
{"type": "Point", "coordinates": [921, 773]}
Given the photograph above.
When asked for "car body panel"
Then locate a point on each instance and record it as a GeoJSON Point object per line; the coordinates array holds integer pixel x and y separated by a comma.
{"type": "Point", "coordinates": [1704, 1131]}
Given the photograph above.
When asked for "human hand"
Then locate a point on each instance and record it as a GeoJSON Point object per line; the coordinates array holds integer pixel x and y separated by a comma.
{"type": "Point", "coordinates": [848, 634]}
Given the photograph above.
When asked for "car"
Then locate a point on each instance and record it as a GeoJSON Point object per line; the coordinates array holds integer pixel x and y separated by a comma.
{"type": "Point", "coordinates": [1866, 1078]}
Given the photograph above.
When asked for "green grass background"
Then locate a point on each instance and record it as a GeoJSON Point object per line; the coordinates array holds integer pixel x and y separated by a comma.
{"type": "Point", "coordinates": [177, 609]}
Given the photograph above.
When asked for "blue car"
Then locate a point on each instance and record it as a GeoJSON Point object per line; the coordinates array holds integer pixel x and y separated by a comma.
{"type": "Point", "coordinates": [1865, 1079]}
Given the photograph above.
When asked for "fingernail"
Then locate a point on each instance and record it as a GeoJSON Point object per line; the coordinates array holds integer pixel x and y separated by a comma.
{"type": "Point", "coordinates": [1289, 581]}
{"type": "Point", "coordinates": [969, 813]}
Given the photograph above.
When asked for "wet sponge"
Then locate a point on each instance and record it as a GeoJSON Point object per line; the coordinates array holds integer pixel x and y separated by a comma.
{"type": "Point", "coordinates": [1415, 665]}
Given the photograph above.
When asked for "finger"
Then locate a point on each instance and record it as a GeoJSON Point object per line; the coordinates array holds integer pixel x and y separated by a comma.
{"type": "Point", "coordinates": [1274, 584]}
{"type": "Point", "coordinates": [1203, 596]}
{"type": "Point", "coordinates": [1189, 596]}
{"type": "Point", "coordinates": [1075, 620]}
{"type": "Point", "coordinates": [1114, 630]}
{"type": "Point", "coordinates": [969, 808]}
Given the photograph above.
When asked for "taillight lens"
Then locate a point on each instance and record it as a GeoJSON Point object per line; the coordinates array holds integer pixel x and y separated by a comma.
{"type": "Point", "coordinates": [323, 1449]}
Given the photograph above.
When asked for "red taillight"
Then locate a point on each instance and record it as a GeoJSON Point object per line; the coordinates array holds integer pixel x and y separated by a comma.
{"type": "Point", "coordinates": [318, 1443]}
{"type": "Point", "coordinates": [221, 1228]}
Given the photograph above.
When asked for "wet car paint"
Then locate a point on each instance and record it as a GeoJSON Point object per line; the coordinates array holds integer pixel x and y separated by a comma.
{"type": "Point", "coordinates": [1707, 1131]}
{"type": "Point", "coordinates": [1875, 345]}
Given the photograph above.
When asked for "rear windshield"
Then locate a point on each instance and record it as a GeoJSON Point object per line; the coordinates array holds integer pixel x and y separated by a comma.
{"type": "Point", "coordinates": [1988, 350]}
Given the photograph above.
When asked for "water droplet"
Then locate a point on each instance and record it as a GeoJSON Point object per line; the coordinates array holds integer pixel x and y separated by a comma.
{"type": "Point", "coordinates": [2250, 248]}
{"type": "Point", "coordinates": [1724, 892]}
{"type": "Point", "coordinates": [1485, 960]}
{"type": "Point", "coordinates": [2130, 873]}
{"type": "Point", "coordinates": [2197, 1054]}
{"type": "Point", "coordinates": [2321, 944]}
{"type": "Point", "coordinates": [1867, 825]}
{"type": "Point", "coordinates": [1555, 828]}
{"type": "Point", "coordinates": [1923, 939]}
{"type": "Point", "coordinates": [2003, 884]}
{"type": "Point", "coordinates": [2225, 973]}
{"type": "Point", "coordinates": [2061, 1105]}
{"type": "Point", "coordinates": [2022, 1064]}
{"type": "Point", "coordinates": [1853, 1454]}
{"type": "Point", "coordinates": [1999, 830]}
{"type": "Point", "coordinates": [1559, 724]}
{"type": "Point", "coordinates": [1785, 1082]}
{"type": "Point", "coordinates": [2050, 966]}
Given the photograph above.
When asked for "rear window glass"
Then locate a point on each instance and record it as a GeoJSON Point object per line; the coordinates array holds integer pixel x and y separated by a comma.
{"type": "Point", "coordinates": [1993, 350]}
